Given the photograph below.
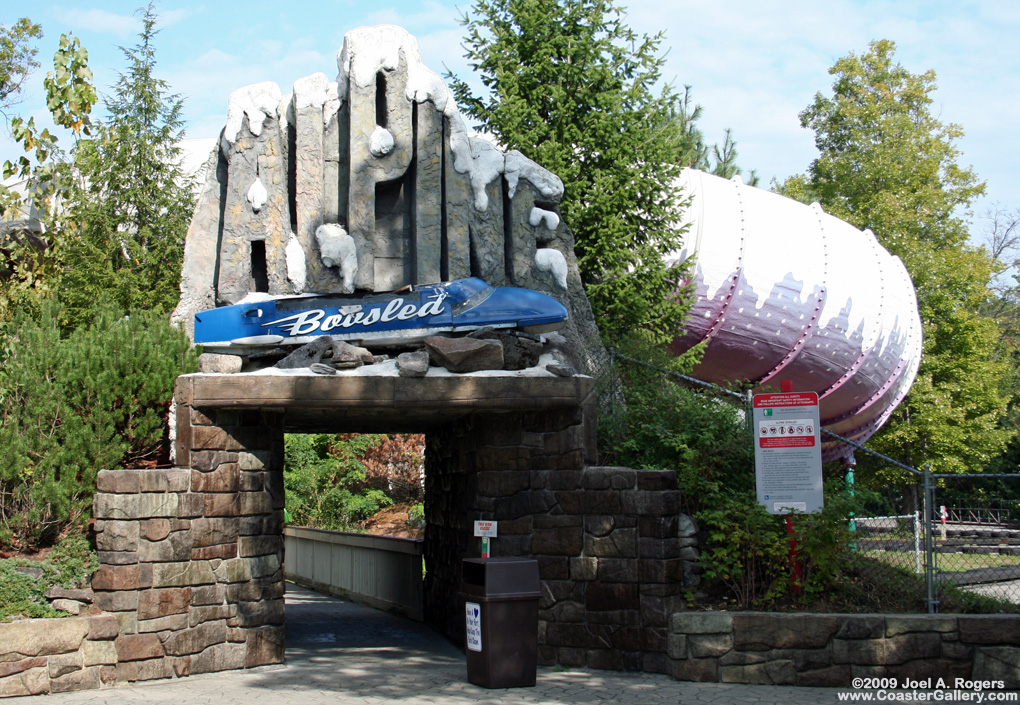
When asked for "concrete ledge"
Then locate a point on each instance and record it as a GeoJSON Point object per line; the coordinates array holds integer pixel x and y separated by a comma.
{"type": "Point", "coordinates": [342, 402]}
{"type": "Point", "coordinates": [833, 649]}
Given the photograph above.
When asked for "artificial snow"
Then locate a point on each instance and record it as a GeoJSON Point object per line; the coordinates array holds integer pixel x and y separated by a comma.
{"type": "Point", "coordinates": [553, 262]}
{"type": "Point", "coordinates": [256, 102]}
{"type": "Point", "coordinates": [257, 195]}
{"type": "Point", "coordinates": [381, 142]}
{"type": "Point", "coordinates": [296, 272]}
{"type": "Point", "coordinates": [541, 216]}
{"type": "Point", "coordinates": [311, 91]}
{"type": "Point", "coordinates": [519, 166]}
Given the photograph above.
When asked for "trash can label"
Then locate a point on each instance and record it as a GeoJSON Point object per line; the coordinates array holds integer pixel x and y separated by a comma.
{"type": "Point", "coordinates": [474, 625]}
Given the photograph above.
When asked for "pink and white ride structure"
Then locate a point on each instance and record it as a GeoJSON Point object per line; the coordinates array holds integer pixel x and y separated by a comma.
{"type": "Point", "coordinates": [785, 291]}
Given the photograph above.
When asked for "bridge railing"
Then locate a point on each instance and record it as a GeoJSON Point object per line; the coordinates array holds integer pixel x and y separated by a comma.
{"type": "Point", "coordinates": [379, 571]}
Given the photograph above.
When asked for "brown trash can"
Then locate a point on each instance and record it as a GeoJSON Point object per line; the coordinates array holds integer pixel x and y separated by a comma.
{"type": "Point", "coordinates": [501, 621]}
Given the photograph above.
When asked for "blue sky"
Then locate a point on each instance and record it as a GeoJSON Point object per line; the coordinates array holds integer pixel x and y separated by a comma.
{"type": "Point", "coordinates": [753, 64]}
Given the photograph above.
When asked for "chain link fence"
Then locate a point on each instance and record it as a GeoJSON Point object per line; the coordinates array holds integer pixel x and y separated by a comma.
{"type": "Point", "coordinates": [931, 542]}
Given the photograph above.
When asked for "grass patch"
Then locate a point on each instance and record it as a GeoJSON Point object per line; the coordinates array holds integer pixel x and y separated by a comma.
{"type": "Point", "coordinates": [22, 592]}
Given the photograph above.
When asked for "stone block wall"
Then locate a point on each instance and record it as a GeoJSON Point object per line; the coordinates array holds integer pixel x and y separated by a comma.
{"type": "Point", "coordinates": [191, 557]}
{"type": "Point", "coordinates": [58, 655]}
{"type": "Point", "coordinates": [833, 649]}
{"type": "Point", "coordinates": [607, 541]}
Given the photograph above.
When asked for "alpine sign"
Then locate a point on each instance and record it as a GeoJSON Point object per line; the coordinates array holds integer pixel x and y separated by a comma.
{"type": "Point", "coordinates": [788, 452]}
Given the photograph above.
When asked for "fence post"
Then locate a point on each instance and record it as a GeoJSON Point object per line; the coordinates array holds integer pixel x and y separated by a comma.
{"type": "Point", "coordinates": [917, 541]}
{"type": "Point", "coordinates": [929, 568]}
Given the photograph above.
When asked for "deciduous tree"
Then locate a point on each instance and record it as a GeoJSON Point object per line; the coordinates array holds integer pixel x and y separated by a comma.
{"type": "Point", "coordinates": [888, 164]}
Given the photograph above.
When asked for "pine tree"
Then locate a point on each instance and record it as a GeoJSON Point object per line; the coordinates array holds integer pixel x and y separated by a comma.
{"type": "Point", "coordinates": [571, 86]}
{"type": "Point", "coordinates": [887, 164]}
{"type": "Point", "coordinates": [73, 404]}
{"type": "Point", "coordinates": [132, 203]}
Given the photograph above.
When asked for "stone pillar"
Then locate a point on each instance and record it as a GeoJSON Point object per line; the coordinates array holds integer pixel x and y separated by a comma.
{"type": "Point", "coordinates": [191, 556]}
{"type": "Point", "coordinates": [606, 539]}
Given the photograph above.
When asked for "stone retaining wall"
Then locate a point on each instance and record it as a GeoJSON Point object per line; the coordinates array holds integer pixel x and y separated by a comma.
{"type": "Point", "coordinates": [58, 655]}
{"type": "Point", "coordinates": [832, 649]}
{"type": "Point", "coordinates": [608, 540]}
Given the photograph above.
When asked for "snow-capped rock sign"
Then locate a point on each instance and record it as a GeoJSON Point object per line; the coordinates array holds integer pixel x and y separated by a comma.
{"type": "Point", "coordinates": [369, 184]}
{"type": "Point", "coordinates": [785, 291]}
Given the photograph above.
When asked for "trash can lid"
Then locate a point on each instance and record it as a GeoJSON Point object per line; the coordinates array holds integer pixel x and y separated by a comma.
{"type": "Point", "coordinates": [502, 577]}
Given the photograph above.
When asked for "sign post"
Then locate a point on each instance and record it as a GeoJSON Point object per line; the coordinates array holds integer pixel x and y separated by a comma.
{"type": "Point", "coordinates": [486, 530]}
{"type": "Point", "coordinates": [788, 459]}
{"type": "Point", "coordinates": [788, 452]}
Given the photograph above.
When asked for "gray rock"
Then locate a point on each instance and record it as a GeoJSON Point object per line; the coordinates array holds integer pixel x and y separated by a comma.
{"type": "Point", "coordinates": [69, 606]}
{"type": "Point", "coordinates": [81, 595]}
{"type": "Point", "coordinates": [30, 571]}
{"type": "Point", "coordinates": [344, 355]}
{"type": "Point", "coordinates": [686, 526]}
{"type": "Point", "coordinates": [519, 353]}
{"type": "Point", "coordinates": [321, 369]}
{"type": "Point", "coordinates": [306, 354]}
{"type": "Point", "coordinates": [413, 364]}
{"type": "Point", "coordinates": [465, 354]}
{"type": "Point", "coordinates": [212, 363]}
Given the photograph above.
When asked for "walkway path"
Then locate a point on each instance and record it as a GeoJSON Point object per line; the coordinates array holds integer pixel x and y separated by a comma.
{"type": "Point", "coordinates": [340, 653]}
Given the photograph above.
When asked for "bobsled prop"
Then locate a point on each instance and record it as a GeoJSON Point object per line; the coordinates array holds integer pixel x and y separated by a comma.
{"type": "Point", "coordinates": [401, 318]}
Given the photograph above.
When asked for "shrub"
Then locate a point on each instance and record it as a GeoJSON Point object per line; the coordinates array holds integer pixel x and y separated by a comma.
{"type": "Point", "coordinates": [744, 548]}
{"type": "Point", "coordinates": [73, 404]}
{"type": "Point", "coordinates": [69, 565]}
{"type": "Point", "coordinates": [657, 423]}
{"type": "Point", "coordinates": [326, 480]}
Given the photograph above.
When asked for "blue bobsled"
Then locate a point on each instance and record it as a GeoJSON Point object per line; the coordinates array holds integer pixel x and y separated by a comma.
{"type": "Point", "coordinates": [376, 319]}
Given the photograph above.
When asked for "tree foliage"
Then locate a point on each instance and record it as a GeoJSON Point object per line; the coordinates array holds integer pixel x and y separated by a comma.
{"type": "Point", "coordinates": [131, 202]}
{"type": "Point", "coordinates": [73, 404]}
{"type": "Point", "coordinates": [28, 268]}
{"type": "Point", "coordinates": [326, 480]}
{"type": "Point", "coordinates": [17, 58]}
{"type": "Point", "coordinates": [571, 86]}
{"type": "Point", "coordinates": [887, 164]}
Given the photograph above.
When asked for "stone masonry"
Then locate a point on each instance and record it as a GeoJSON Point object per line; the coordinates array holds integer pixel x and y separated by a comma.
{"type": "Point", "coordinates": [58, 655]}
{"type": "Point", "coordinates": [191, 557]}
{"type": "Point", "coordinates": [832, 649]}
{"type": "Point", "coordinates": [606, 538]}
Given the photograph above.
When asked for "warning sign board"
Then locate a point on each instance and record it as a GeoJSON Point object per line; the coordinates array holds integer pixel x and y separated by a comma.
{"type": "Point", "coordinates": [485, 528]}
{"type": "Point", "coordinates": [788, 452]}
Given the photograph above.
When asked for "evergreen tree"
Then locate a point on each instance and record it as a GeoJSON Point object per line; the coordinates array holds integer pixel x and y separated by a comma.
{"type": "Point", "coordinates": [571, 86]}
{"type": "Point", "coordinates": [887, 164]}
{"type": "Point", "coordinates": [132, 203]}
{"type": "Point", "coordinates": [694, 152]}
{"type": "Point", "coordinates": [72, 404]}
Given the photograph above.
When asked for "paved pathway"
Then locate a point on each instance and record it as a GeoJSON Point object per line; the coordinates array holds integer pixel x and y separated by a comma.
{"type": "Point", "coordinates": [340, 653]}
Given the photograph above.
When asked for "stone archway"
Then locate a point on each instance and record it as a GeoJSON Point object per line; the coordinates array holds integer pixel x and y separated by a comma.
{"type": "Point", "coordinates": [192, 556]}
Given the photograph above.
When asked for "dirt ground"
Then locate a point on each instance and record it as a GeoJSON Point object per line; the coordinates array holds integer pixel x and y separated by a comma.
{"type": "Point", "coordinates": [392, 521]}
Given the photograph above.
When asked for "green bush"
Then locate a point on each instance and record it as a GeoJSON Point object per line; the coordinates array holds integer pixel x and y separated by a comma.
{"type": "Point", "coordinates": [658, 423]}
{"type": "Point", "coordinates": [325, 480]}
{"type": "Point", "coordinates": [72, 404]}
{"type": "Point", "coordinates": [744, 548]}
{"type": "Point", "coordinates": [69, 565]}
